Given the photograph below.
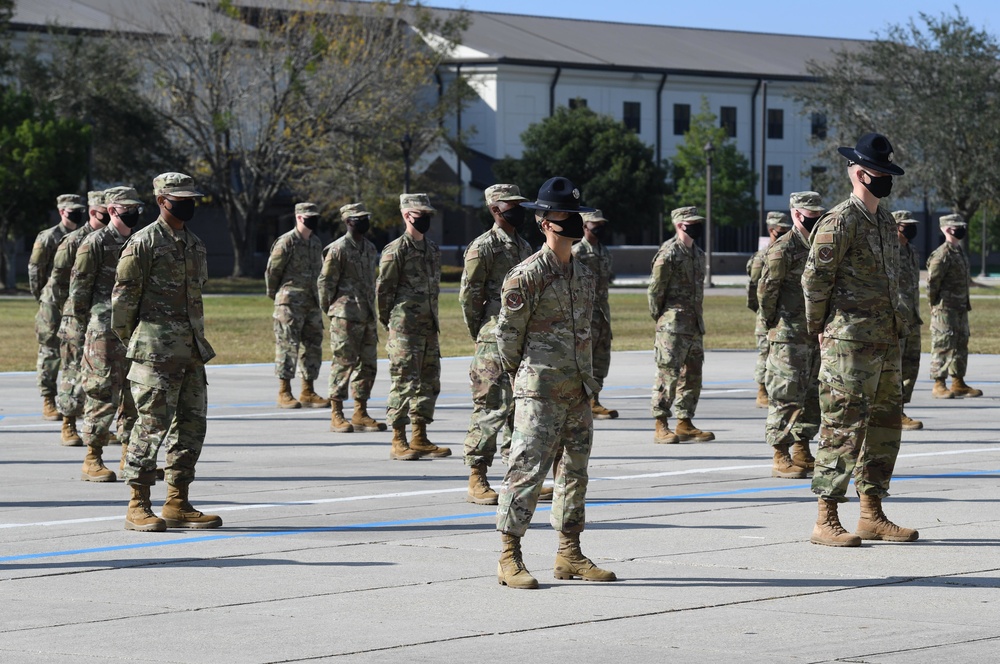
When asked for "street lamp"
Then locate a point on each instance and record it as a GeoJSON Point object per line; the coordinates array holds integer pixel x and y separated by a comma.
{"type": "Point", "coordinates": [407, 145]}
{"type": "Point", "coordinates": [709, 149]}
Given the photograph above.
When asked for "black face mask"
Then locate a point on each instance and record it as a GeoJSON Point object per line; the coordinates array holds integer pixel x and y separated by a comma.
{"type": "Point", "coordinates": [879, 187]}
{"type": "Point", "coordinates": [572, 226]}
{"type": "Point", "coordinates": [130, 218]}
{"type": "Point", "coordinates": [360, 225]}
{"type": "Point", "coordinates": [75, 216]}
{"type": "Point", "coordinates": [909, 231]}
{"type": "Point", "coordinates": [514, 216]}
{"type": "Point", "coordinates": [695, 231]}
{"type": "Point", "coordinates": [421, 223]}
{"type": "Point", "coordinates": [311, 222]}
{"type": "Point", "coordinates": [182, 210]}
{"type": "Point", "coordinates": [809, 223]}
{"type": "Point", "coordinates": [102, 217]}
{"type": "Point", "coordinates": [958, 233]}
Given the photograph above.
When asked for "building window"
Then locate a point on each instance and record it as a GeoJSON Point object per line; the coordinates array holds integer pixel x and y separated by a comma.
{"type": "Point", "coordinates": [815, 177]}
{"type": "Point", "coordinates": [819, 125]}
{"type": "Point", "coordinates": [682, 119]}
{"type": "Point", "coordinates": [727, 120]}
{"type": "Point", "coordinates": [632, 115]}
{"type": "Point", "coordinates": [775, 123]}
{"type": "Point", "coordinates": [775, 180]}
{"type": "Point", "coordinates": [578, 102]}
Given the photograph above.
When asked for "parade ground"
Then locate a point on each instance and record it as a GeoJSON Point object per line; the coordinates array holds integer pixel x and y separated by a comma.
{"type": "Point", "coordinates": [331, 551]}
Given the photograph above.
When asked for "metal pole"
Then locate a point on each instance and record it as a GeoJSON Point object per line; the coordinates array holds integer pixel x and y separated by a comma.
{"type": "Point", "coordinates": [982, 248]}
{"type": "Point", "coordinates": [709, 148]}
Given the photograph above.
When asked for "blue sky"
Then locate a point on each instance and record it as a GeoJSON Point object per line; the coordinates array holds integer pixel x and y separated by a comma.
{"type": "Point", "coordinates": [858, 20]}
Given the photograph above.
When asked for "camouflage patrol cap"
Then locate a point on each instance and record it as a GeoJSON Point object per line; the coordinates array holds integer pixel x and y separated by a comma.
{"type": "Point", "coordinates": [903, 217]}
{"type": "Point", "coordinates": [175, 184]}
{"type": "Point", "coordinates": [121, 196]}
{"type": "Point", "coordinates": [307, 209]}
{"type": "Point", "coordinates": [95, 198]}
{"type": "Point", "coordinates": [952, 220]}
{"type": "Point", "coordinates": [594, 217]}
{"type": "Point", "coordinates": [806, 200]}
{"type": "Point", "coordinates": [420, 202]}
{"type": "Point", "coordinates": [503, 192]}
{"type": "Point", "coordinates": [70, 202]}
{"type": "Point", "coordinates": [686, 215]}
{"type": "Point", "coordinates": [778, 220]}
{"type": "Point", "coordinates": [354, 210]}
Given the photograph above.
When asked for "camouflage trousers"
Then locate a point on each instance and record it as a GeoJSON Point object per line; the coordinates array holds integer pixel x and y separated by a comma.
{"type": "Point", "coordinates": [546, 430]}
{"type": "Point", "coordinates": [415, 374]}
{"type": "Point", "coordinates": [71, 397]}
{"type": "Point", "coordinates": [949, 343]}
{"type": "Point", "coordinates": [860, 399]}
{"type": "Point", "coordinates": [492, 400]}
{"type": "Point", "coordinates": [909, 360]}
{"type": "Point", "coordinates": [172, 401]}
{"type": "Point", "coordinates": [600, 333]}
{"type": "Point", "coordinates": [679, 359]}
{"type": "Point", "coordinates": [298, 334]}
{"type": "Point", "coordinates": [760, 369]}
{"type": "Point", "coordinates": [47, 332]}
{"type": "Point", "coordinates": [103, 371]}
{"type": "Point", "coordinates": [793, 391]}
{"type": "Point", "coordinates": [354, 347]}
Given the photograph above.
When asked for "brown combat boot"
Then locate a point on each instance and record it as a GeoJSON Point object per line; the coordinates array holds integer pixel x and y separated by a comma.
{"type": "Point", "coordinates": [337, 422]}
{"type": "Point", "coordinates": [545, 496]}
{"type": "Point", "coordinates": [480, 492]}
{"type": "Point", "coordinates": [309, 399]}
{"type": "Point", "coordinates": [828, 530]}
{"type": "Point", "coordinates": [49, 410]}
{"type": "Point", "coordinates": [400, 450]}
{"type": "Point", "coordinates": [663, 435]}
{"type": "Point", "coordinates": [94, 469]}
{"type": "Point", "coordinates": [285, 398]}
{"type": "Point", "coordinates": [910, 424]}
{"type": "Point", "coordinates": [362, 421]}
{"type": "Point", "coordinates": [511, 571]}
{"type": "Point", "coordinates": [762, 399]}
{"type": "Point", "coordinates": [784, 467]}
{"type": "Point", "coordinates": [960, 389]}
{"type": "Point", "coordinates": [874, 525]}
{"type": "Point", "coordinates": [179, 513]}
{"type": "Point", "coordinates": [599, 411]}
{"type": "Point", "coordinates": [140, 512]}
{"type": "Point", "coordinates": [70, 436]}
{"type": "Point", "coordinates": [687, 431]}
{"type": "Point", "coordinates": [801, 456]}
{"type": "Point", "coordinates": [571, 563]}
{"type": "Point", "coordinates": [940, 390]}
{"type": "Point", "coordinates": [424, 447]}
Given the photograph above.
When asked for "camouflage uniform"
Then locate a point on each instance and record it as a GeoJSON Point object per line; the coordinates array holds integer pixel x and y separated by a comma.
{"type": "Point", "coordinates": [544, 339]}
{"type": "Point", "coordinates": [948, 294]}
{"type": "Point", "coordinates": [754, 268]}
{"type": "Point", "coordinates": [598, 260]}
{"type": "Point", "coordinates": [851, 297]}
{"type": "Point", "coordinates": [909, 293]}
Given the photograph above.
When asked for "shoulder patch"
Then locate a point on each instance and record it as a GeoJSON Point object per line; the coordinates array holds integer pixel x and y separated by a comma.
{"type": "Point", "coordinates": [514, 301]}
{"type": "Point", "coordinates": [774, 255]}
{"type": "Point", "coordinates": [824, 238]}
{"type": "Point", "coordinates": [472, 253]}
{"type": "Point", "coordinates": [824, 254]}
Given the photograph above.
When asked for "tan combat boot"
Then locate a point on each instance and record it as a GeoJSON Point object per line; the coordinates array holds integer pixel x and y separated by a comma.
{"type": "Point", "coordinates": [309, 399]}
{"type": "Point", "coordinates": [511, 571]}
{"type": "Point", "coordinates": [121, 464]}
{"type": "Point", "coordinates": [140, 512]}
{"type": "Point", "coordinates": [687, 431]}
{"type": "Point", "coordinates": [940, 390]}
{"type": "Point", "coordinates": [910, 424]}
{"type": "Point", "coordinates": [545, 496]}
{"type": "Point", "coordinates": [70, 436]}
{"type": "Point", "coordinates": [571, 563]}
{"type": "Point", "coordinates": [362, 421]}
{"type": "Point", "coordinates": [762, 399]}
{"type": "Point", "coordinates": [480, 492]}
{"type": "Point", "coordinates": [49, 410]}
{"type": "Point", "coordinates": [801, 456]}
{"type": "Point", "coordinates": [424, 447]}
{"type": "Point", "coordinates": [663, 435]}
{"type": "Point", "coordinates": [337, 422]}
{"type": "Point", "coordinates": [874, 525]}
{"type": "Point", "coordinates": [94, 469]}
{"type": "Point", "coordinates": [599, 411]}
{"type": "Point", "coordinates": [784, 467]}
{"type": "Point", "coordinates": [179, 513]}
{"type": "Point", "coordinates": [960, 389]}
{"type": "Point", "coordinates": [828, 530]}
{"type": "Point", "coordinates": [400, 449]}
{"type": "Point", "coordinates": [285, 398]}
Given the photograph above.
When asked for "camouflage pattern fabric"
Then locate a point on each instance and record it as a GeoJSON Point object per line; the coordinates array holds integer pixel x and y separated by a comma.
{"type": "Point", "coordinates": [782, 300]}
{"type": "Point", "coordinates": [43, 254]}
{"type": "Point", "coordinates": [544, 339]}
{"type": "Point", "coordinates": [754, 268]}
{"type": "Point", "coordinates": [909, 293]}
{"type": "Point", "coordinates": [291, 276]}
{"type": "Point", "coordinates": [598, 260]}
{"type": "Point", "coordinates": [948, 294]}
{"type": "Point", "coordinates": [49, 314]}
{"type": "Point", "coordinates": [415, 370]}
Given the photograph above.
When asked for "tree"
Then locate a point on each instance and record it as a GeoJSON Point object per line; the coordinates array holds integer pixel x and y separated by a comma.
{"type": "Point", "coordinates": [733, 181]}
{"type": "Point", "coordinates": [614, 170]}
{"type": "Point", "coordinates": [931, 89]}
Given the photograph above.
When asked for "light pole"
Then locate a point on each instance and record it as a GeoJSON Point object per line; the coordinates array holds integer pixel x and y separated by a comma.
{"type": "Point", "coordinates": [709, 149]}
{"type": "Point", "coordinates": [407, 145]}
{"type": "Point", "coordinates": [982, 245]}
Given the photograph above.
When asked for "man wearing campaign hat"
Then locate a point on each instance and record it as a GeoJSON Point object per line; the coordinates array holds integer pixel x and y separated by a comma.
{"type": "Point", "coordinates": [792, 369]}
{"type": "Point", "coordinates": [347, 295]}
{"type": "Point", "coordinates": [157, 311]}
{"type": "Point", "coordinates": [851, 285]}
{"type": "Point", "coordinates": [49, 315]}
{"type": "Point", "coordinates": [676, 293]}
{"type": "Point", "coordinates": [948, 294]}
{"type": "Point", "coordinates": [909, 292]}
{"type": "Point", "coordinates": [291, 280]}
{"type": "Point", "coordinates": [406, 298]}
{"type": "Point", "coordinates": [778, 224]}
{"type": "Point", "coordinates": [488, 259]}
{"type": "Point", "coordinates": [543, 335]}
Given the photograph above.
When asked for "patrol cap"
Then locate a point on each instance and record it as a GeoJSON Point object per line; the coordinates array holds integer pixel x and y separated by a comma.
{"type": "Point", "coordinates": [806, 200]}
{"type": "Point", "coordinates": [420, 202]}
{"type": "Point", "coordinates": [558, 194]}
{"type": "Point", "coordinates": [95, 198]}
{"type": "Point", "coordinates": [503, 192]}
{"type": "Point", "coordinates": [686, 215]}
{"type": "Point", "coordinates": [903, 217]}
{"type": "Point", "coordinates": [354, 210]}
{"type": "Point", "coordinates": [594, 217]}
{"type": "Point", "coordinates": [122, 196]}
{"type": "Point", "coordinates": [952, 220]}
{"type": "Point", "coordinates": [873, 151]}
{"type": "Point", "coordinates": [306, 209]}
{"type": "Point", "coordinates": [69, 202]}
{"type": "Point", "coordinates": [175, 184]}
{"type": "Point", "coordinates": [778, 220]}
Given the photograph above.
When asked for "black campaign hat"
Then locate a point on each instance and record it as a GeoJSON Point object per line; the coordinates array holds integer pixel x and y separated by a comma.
{"type": "Point", "coordinates": [558, 195]}
{"type": "Point", "coordinates": [874, 151]}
